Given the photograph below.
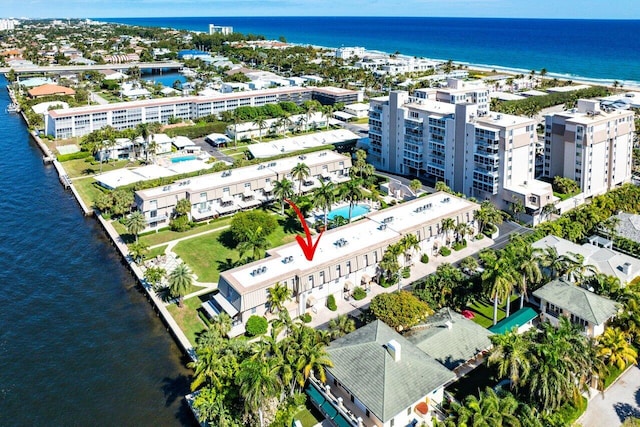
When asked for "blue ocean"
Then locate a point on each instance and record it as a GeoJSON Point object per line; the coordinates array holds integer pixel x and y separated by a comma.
{"type": "Point", "coordinates": [604, 50]}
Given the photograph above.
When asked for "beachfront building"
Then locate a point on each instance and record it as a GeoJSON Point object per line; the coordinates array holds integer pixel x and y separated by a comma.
{"type": "Point", "coordinates": [345, 257]}
{"type": "Point", "coordinates": [591, 145]}
{"type": "Point", "coordinates": [219, 29]}
{"type": "Point", "coordinates": [584, 308]}
{"type": "Point", "coordinates": [447, 136]}
{"type": "Point", "coordinates": [229, 191]}
{"type": "Point", "coordinates": [379, 378]}
{"type": "Point", "coordinates": [79, 121]}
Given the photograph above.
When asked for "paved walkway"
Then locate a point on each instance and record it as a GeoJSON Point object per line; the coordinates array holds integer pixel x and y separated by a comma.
{"type": "Point", "coordinates": [619, 402]}
{"type": "Point", "coordinates": [418, 270]}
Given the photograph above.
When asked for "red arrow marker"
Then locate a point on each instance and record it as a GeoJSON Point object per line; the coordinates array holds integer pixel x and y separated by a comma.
{"type": "Point", "coordinates": [308, 247]}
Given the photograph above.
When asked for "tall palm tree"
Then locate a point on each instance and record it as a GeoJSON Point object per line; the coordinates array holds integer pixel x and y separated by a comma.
{"type": "Point", "coordinates": [278, 295]}
{"type": "Point", "coordinates": [527, 264]}
{"type": "Point", "coordinates": [135, 223]}
{"type": "Point", "coordinates": [256, 241]}
{"type": "Point", "coordinates": [614, 347]}
{"type": "Point", "coordinates": [487, 410]}
{"type": "Point", "coordinates": [323, 197]}
{"type": "Point", "coordinates": [510, 355]}
{"type": "Point", "coordinates": [300, 172]}
{"type": "Point", "coordinates": [487, 214]}
{"type": "Point", "coordinates": [408, 244]}
{"type": "Point", "coordinates": [352, 192]}
{"type": "Point", "coordinates": [258, 381]}
{"type": "Point", "coordinates": [447, 224]}
{"type": "Point", "coordinates": [327, 112]}
{"type": "Point", "coordinates": [180, 280]}
{"type": "Point", "coordinates": [463, 229]}
{"type": "Point", "coordinates": [261, 122]}
{"type": "Point", "coordinates": [283, 189]}
{"type": "Point", "coordinates": [498, 280]}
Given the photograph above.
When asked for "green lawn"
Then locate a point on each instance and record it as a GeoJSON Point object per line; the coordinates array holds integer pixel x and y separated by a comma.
{"type": "Point", "coordinates": [167, 235]}
{"type": "Point", "coordinates": [156, 252]}
{"type": "Point", "coordinates": [209, 254]}
{"type": "Point", "coordinates": [483, 311]}
{"type": "Point", "coordinates": [88, 189]}
{"type": "Point", "coordinates": [187, 318]}
{"type": "Point", "coordinates": [83, 167]}
{"type": "Point", "coordinates": [306, 418]}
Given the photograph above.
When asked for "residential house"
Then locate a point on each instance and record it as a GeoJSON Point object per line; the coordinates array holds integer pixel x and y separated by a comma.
{"type": "Point", "coordinates": [378, 378]}
{"type": "Point", "coordinates": [583, 307]}
{"type": "Point", "coordinates": [50, 90]}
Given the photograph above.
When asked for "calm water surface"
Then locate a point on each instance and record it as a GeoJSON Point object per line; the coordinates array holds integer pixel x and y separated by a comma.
{"type": "Point", "coordinates": [79, 344]}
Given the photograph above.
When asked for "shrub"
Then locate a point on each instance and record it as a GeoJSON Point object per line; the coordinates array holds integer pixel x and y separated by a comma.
{"type": "Point", "coordinates": [489, 230]}
{"type": "Point", "coordinates": [457, 246]}
{"type": "Point", "coordinates": [406, 272]}
{"type": "Point", "coordinates": [479, 237]}
{"type": "Point", "coordinates": [359, 293]}
{"type": "Point", "coordinates": [331, 303]}
{"type": "Point", "coordinates": [385, 283]}
{"type": "Point", "coordinates": [445, 251]}
{"type": "Point", "coordinates": [256, 325]}
{"type": "Point", "coordinates": [424, 258]}
{"type": "Point", "coordinates": [306, 317]}
{"type": "Point", "coordinates": [180, 223]}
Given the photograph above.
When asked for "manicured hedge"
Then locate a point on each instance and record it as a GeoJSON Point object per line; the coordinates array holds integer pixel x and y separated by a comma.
{"type": "Point", "coordinates": [256, 325]}
{"type": "Point", "coordinates": [445, 251]}
{"type": "Point", "coordinates": [359, 293]}
{"type": "Point", "coordinates": [331, 303]}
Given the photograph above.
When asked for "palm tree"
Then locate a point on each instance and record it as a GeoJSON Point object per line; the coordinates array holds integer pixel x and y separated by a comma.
{"type": "Point", "coordinates": [341, 325]}
{"type": "Point", "coordinates": [180, 280]}
{"type": "Point", "coordinates": [487, 410]}
{"type": "Point", "coordinates": [389, 264]}
{"type": "Point", "coordinates": [511, 356]}
{"type": "Point", "coordinates": [408, 244]}
{"type": "Point", "coordinates": [447, 224]}
{"type": "Point", "coordinates": [323, 197]}
{"type": "Point", "coordinates": [138, 251]}
{"type": "Point", "coordinates": [300, 172]}
{"type": "Point", "coordinates": [352, 192]}
{"type": "Point", "coordinates": [327, 112]}
{"type": "Point", "coordinates": [469, 265]}
{"type": "Point", "coordinates": [487, 214]}
{"type": "Point", "coordinates": [258, 381]}
{"type": "Point", "coordinates": [310, 107]}
{"type": "Point", "coordinates": [442, 186]}
{"type": "Point", "coordinates": [498, 280]}
{"type": "Point", "coordinates": [261, 122]}
{"type": "Point", "coordinates": [283, 189]}
{"type": "Point", "coordinates": [614, 347]}
{"type": "Point", "coordinates": [135, 223]}
{"type": "Point", "coordinates": [278, 295]}
{"type": "Point", "coordinates": [256, 241]}
{"type": "Point", "coordinates": [415, 185]}
{"type": "Point", "coordinates": [313, 358]}
{"type": "Point", "coordinates": [462, 230]}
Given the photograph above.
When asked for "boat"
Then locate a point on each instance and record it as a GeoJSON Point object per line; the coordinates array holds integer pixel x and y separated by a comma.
{"type": "Point", "coordinates": [13, 108]}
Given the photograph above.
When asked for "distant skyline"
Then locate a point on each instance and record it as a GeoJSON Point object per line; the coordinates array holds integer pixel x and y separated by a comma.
{"type": "Point", "coordinates": [563, 9]}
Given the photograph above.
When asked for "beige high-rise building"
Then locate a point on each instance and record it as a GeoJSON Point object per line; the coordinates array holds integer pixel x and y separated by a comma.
{"type": "Point", "coordinates": [591, 145]}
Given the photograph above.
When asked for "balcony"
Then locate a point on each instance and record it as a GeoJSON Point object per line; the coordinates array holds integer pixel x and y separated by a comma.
{"type": "Point", "coordinates": [330, 406]}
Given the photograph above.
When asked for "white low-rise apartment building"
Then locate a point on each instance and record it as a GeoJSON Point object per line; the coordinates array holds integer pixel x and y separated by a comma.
{"type": "Point", "coordinates": [345, 256]}
{"type": "Point", "coordinates": [79, 121]}
{"type": "Point", "coordinates": [232, 190]}
{"type": "Point", "coordinates": [591, 145]}
{"type": "Point", "coordinates": [449, 136]}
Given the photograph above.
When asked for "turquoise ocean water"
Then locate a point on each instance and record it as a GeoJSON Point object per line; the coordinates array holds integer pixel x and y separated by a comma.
{"type": "Point", "coordinates": [594, 49]}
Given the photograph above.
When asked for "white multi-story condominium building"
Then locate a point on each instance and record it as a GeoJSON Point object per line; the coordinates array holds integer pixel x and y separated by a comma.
{"type": "Point", "coordinates": [219, 29]}
{"type": "Point", "coordinates": [79, 121]}
{"type": "Point", "coordinates": [347, 53]}
{"type": "Point", "coordinates": [345, 256]}
{"type": "Point", "coordinates": [8, 24]}
{"type": "Point", "coordinates": [591, 145]}
{"type": "Point", "coordinates": [481, 154]}
{"type": "Point", "coordinates": [228, 191]}
{"type": "Point", "coordinates": [459, 91]}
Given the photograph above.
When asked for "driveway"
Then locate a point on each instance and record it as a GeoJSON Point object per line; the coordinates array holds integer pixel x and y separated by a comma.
{"type": "Point", "coordinates": [619, 402]}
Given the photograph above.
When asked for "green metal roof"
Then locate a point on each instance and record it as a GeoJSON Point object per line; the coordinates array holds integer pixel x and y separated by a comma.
{"type": "Point", "coordinates": [362, 364]}
{"type": "Point", "coordinates": [516, 320]}
{"type": "Point", "coordinates": [578, 301]}
{"type": "Point", "coordinates": [450, 338]}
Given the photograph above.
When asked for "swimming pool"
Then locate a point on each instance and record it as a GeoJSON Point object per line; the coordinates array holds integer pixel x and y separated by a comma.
{"type": "Point", "coordinates": [182, 159]}
{"type": "Point", "coordinates": [343, 211]}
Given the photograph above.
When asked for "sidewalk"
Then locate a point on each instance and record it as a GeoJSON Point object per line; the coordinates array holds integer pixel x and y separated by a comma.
{"type": "Point", "coordinates": [418, 271]}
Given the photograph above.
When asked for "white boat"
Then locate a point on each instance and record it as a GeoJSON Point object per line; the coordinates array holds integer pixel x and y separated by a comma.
{"type": "Point", "coordinates": [13, 108]}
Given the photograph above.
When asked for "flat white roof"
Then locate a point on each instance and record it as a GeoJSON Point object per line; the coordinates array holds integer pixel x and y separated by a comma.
{"type": "Point", "coordinates": [363, 233]}
{"type": "Point", "coordinates": [506, 96]}
{"type": "Point", "coordinates": [182, 142]}
{"type": "Point", "coordinates": [297, 143]}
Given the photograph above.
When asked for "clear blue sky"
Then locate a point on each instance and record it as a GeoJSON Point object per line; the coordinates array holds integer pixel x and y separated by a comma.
{"type": "Point", "coordinates": [589, 9]}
